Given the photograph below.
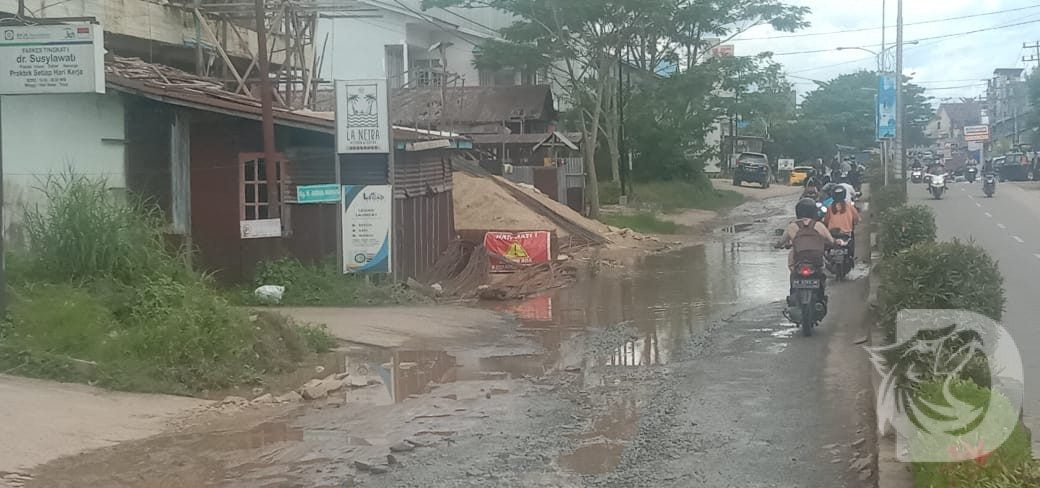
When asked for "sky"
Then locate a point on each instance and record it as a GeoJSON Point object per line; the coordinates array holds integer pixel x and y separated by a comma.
{"type": "Point", "coordinates": [949, 68]}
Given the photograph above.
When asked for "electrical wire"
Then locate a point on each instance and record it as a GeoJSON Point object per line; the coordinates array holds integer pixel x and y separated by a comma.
{"type": "Point", "coordinates": [866, 29]}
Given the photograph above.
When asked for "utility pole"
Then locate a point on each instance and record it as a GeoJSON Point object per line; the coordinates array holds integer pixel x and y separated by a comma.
{"type": "Point", "coordinates": [1036, 49]}
{"type": "Point", "coordinates": [882, 69]}
{"type": "Point", "coordinates": [900, 168]}
{"type": "Point", "coordinates": [267, 116]}
{"type": "Point", "coordinates": [622, 165]}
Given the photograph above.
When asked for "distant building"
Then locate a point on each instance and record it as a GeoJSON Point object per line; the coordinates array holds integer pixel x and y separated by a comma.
{"type": "Point", "coordinates": [1007, 104]}
{"type": "Point", "coordinates": [947, 126]}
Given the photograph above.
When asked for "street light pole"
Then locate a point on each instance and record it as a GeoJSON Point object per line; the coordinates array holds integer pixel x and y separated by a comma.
{"type": "Point", "coordinates": [900, 116]}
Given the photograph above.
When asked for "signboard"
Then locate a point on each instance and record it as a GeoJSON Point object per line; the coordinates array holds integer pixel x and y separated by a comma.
{"type": "Point", "coordinates": [512, 250]}
{"type": "Point", "coordinates": [723, 51]}
{"type": "Point", "coordinates": [367, 229]}
{"type": "Point", "coordinates": [260, 229]}
{"type": "Point", "coordinates": [785, 164]}
{"type": "Point", "coordinates": [362, 117]}
{"type": "Point", "coordinates": [976, 133]}
{"type": "Point", "coordinates": [886, 107]}
{"type": "Point", "coordinates": [318, 193]}
{"type": "Point", "coordinates": [52, 59]}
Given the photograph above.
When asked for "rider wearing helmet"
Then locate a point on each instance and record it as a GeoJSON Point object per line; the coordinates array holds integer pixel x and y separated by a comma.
{"type": "Point", "coordinates": [807, 236]}
{"type": "Point", "coordinates": [842, 216]}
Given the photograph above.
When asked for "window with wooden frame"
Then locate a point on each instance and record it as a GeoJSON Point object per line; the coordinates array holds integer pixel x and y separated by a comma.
{"type": "Point", "coordinates": [254, 199]}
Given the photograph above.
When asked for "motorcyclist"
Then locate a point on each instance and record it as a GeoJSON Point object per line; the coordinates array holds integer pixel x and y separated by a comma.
{"type": "Point", "coordinates": [807, 237]}
{"type": "Point", "coordinates": [938, 169]}
{"type": "Point", "coordinates": [842, 216]}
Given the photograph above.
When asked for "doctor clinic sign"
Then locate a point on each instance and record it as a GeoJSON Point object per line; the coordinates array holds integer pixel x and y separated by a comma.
{"type": "Point", "coordinates": [52, 59]}
{"type": "Point", "coordinates": [367, 228]}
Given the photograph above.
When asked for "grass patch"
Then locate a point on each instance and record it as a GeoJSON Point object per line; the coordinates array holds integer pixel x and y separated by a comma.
{"type": "Point", "coordinates": [324, 285]}
{"type": "Point", "coordinates": [98, 297]}
{"type": "Point", "coordinates": [673, 196]}
{"type": "Point", "coordinates": [644, 222]}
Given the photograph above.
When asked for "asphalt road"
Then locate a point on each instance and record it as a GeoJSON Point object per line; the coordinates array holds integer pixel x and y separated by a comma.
{"type": "Point", "coordinates": [1008, 227]}
{"type": "Point", "coordinates": [745, 402]}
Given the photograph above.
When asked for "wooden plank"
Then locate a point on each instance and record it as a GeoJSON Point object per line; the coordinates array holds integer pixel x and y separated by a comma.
{"type": "Point", "coordinates": [220, 49]}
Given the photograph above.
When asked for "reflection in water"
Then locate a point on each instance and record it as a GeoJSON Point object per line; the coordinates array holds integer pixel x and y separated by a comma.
{"type": "Point", "coordinates": [666, 300]}
{"type": "Point", "coordinates": [411, 372]}
{"type": "Point", "coordinates": [601, 447]}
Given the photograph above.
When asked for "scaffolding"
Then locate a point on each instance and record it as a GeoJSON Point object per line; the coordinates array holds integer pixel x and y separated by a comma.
{"type": "Point", "coordinates": [294, 53]}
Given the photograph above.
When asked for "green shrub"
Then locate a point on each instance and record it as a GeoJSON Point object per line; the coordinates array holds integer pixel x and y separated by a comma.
{"type": "Point", "coordinates": [98, 297]}
{"type": "Point", "coordinates": [324, 285]}
{"type": "Point", "coordinates": [902, 227]}
{"type": "Point", "coordinates": [1009, 465]}
{"type": "Point", "coordinates": [672, 196]}
{"type": "Point", "coordinates": [318, 338]}
{"type": "Point", "coordinates": [948, 275]}
{"type": "Point", "coordinates": [886, 197]}
{"type": "Point", "coordinates": [85, 232]}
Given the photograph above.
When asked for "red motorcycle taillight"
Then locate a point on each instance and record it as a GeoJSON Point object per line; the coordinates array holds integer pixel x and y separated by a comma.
{"type": "Point", "coordinates": [805, 271]}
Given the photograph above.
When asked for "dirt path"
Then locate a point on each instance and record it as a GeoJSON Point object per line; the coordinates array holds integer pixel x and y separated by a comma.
{"type": "Point", "coordinates": [43, 420]}
{"type": "Point", "coordinates": [754, 191]}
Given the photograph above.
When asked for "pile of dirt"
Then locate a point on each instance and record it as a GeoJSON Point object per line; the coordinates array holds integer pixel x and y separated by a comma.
{"type": "Point", "coordinates": [481, 203]}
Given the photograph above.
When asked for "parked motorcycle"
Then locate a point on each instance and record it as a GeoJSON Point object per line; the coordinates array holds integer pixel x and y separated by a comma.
{"type": "Point", "coordinates": [971, 174]}
{"type": "Point", "coordinates": [916, 176]}
{"type": "Point", "coordinates": [808, 304]}
{"type": "Point", "coordinates": [840, 259]}
{"type": "Point", "coordinates": [989, 185]}
{"type": "Point", "coordinates": [937, 186]}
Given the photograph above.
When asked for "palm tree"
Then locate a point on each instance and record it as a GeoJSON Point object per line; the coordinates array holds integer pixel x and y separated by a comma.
{"type": "Point", "coordinates": [352, 104]}
{"type": "Point", "coordinates": [370, 99]}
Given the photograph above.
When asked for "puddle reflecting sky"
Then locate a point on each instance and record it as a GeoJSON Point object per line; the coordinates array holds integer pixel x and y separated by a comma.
{"type": "Point", "coordinates": [666, 299]}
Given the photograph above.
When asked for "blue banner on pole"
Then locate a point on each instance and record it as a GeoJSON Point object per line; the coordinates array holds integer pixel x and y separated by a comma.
{"type": "Point", "coordinates": [886, 107]}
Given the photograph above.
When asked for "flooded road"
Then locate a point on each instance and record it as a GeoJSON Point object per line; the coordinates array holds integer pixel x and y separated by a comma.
{"type": "Point", "coordinates": [642, 374]}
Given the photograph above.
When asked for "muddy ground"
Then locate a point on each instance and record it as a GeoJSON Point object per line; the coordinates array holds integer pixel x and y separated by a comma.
{"type": "Point", "coordinates": [678, 371]}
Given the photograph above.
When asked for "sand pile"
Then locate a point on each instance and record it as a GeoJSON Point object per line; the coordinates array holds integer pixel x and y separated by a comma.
{"type": "Point", "coordinates": [482, 204]}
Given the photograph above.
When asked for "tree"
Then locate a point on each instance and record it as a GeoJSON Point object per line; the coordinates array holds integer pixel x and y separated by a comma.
{"type": "Point", "coordinates": [842, 111]}
{"type": "Point", "coordinates": [580, 42]}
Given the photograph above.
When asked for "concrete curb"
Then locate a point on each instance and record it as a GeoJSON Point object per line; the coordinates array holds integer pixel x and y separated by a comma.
{"type": "Point", "coordinates": [892, 473]}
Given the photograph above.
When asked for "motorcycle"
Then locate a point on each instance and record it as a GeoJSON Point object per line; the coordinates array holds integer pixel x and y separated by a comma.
{"type": "Point", "coordinates": [916, 176]}
{"type": "Point", "coordinates": [971, 174]}
{"type": "Point", "coordinates": [937, 186]}
{"type": "Point", "coordinates": [808, 304]}
{"type": "Point", "coordinates": [989, 185]}
{"type": "Point", "coordinates": [840, 259]}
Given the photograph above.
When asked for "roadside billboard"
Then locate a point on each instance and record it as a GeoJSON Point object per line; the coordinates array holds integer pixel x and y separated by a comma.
{"type": "Point", "coordinates": [886, 107]}
{"type": "Point", "coordinates": [367, 216]}
{"type": "Point", "coordinates": [362, 117]}
{"type": "Point", "coordinates": [41, 59]}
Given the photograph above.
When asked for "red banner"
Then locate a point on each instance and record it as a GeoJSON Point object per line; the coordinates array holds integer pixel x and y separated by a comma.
{"type": "Point", "coordinates": [510, 251]}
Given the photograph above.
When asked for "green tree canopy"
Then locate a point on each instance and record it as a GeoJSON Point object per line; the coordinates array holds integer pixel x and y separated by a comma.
{"type": "Point", "coordinates": [841, 111]}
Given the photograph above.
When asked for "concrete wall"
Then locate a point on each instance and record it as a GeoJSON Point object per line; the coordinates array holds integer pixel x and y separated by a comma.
{"type": "Point", "coordinates": [357, 46]}
{"type": "Point", "coordinates": [48, 134]}
{"type": "Point", "coordinates": [143, 19]}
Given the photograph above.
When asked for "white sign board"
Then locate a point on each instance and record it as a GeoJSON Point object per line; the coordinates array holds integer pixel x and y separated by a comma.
{"type": "Point", "coordinates": [52, 59]}
{"type": "Point", "coordinates": [367, 228]}
{"type": "Point", "coordinates": [976, 133]}
{"type": "Point", "coordinates": [362, 117]}
{"type": "Point", "coordinates": [785, 164]}
{"type": "Point", "coordinates": [260, 229]}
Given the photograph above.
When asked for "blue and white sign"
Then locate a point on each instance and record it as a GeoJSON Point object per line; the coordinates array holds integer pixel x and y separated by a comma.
{"type": "Point", "coordinates": [367, 228]}
{"type": "Point", "coordinates": [886, 107]}
{"type": "Point", "coordinates": [318, 193]}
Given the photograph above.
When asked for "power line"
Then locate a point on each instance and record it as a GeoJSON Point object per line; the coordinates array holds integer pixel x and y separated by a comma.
{"type": "Point", "coordinates": [865, 29]}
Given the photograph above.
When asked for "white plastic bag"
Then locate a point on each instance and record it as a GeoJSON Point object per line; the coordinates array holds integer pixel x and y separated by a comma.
{"type": "Point", "coordinates": [270, 293]}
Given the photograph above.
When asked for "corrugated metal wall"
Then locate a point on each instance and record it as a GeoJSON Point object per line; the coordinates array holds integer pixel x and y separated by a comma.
{"type": "Point", "coordinates": [423, 210]}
